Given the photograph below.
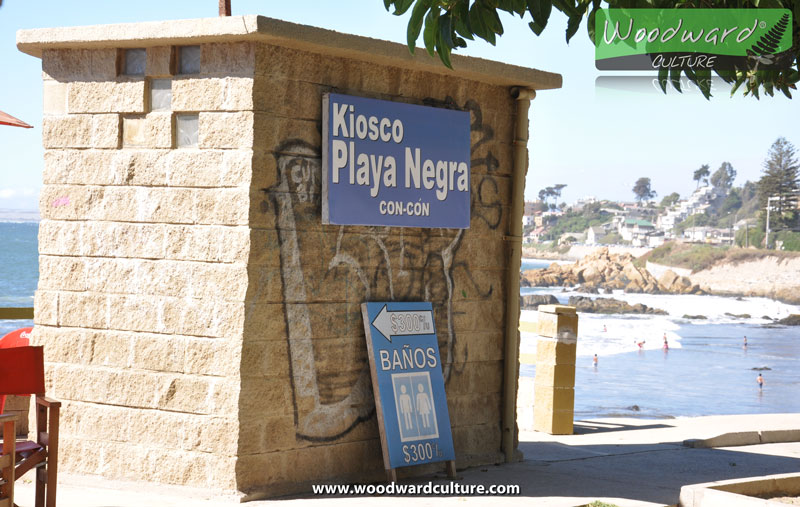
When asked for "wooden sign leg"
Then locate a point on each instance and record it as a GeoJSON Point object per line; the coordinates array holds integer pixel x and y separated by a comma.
{"type": "Point", "coordinates": [391, 474]}
{"type": "Point", "coordinates": [451, 469]}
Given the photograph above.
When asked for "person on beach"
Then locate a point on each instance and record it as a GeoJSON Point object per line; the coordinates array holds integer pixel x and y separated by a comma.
{"type": "Point", "coordinates": [666, 344]}
{"type": "Point", "coordinates": [760, 380]}
{"type": "Point", "coordinates": [594, 361]}
{"type": "Point", "coordinates": [604, 328]}
{"type": "Point", "coordinates": [640, 344]}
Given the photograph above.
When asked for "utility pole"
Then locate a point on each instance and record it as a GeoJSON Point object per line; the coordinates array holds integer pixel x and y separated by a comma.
{"type": "Point", "coordinates": [769, 199]}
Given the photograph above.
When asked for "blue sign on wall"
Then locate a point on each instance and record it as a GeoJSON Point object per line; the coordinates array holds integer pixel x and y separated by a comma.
{"type": "Point", "coordinates": [395, 164]}
{"type": "Point", "coordinates": [408, 384]}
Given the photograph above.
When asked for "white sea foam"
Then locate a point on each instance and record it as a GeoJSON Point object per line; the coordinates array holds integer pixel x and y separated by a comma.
{"type": "Point", "coordinates": [624, 331]}
{"type": "Point", "coordinates": [621, 334]}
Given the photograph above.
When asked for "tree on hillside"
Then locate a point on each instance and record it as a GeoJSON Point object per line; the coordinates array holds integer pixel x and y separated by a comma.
{"type": "Point", "coordinates": [749, 195]}
{"type": "Point", "coordinates": [701, 174]}
{"type": "Point", "coordinates": [543, 195]}
{"type": "Point", "coordinates": [446, 25]}
{"type": "Point", "coordinates": [642, 190]}
{"type": "Point", "coordinates": [724, 176]}
{"type": "Point", "coordinates": [670, 199]}
{"type": "Point", "coordinates": [555, 192]}
{"type": "Point", "coordinates": [781, 179]}
{"type": "Point", "coordinates": [732, 202]}
{"type": "Point", "coordinates": [557, 188]}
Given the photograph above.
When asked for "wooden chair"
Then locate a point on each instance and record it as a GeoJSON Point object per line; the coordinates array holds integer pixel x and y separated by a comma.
{"type": "Point", "coordinates": [7, 461]}
{"type": "Point", "coordinates": [22, 372]}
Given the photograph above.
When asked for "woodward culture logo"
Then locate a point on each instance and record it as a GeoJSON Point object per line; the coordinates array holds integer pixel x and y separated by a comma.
{"type": "Point", "coordinates": [696, 39]}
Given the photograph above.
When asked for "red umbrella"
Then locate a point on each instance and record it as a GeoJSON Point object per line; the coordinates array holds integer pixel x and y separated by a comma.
{"type": "Point", "coordinates": [7, 119]}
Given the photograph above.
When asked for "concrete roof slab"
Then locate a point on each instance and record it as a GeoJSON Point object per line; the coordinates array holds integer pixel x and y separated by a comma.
{"type": "Point", "coordinates": [281, 33]}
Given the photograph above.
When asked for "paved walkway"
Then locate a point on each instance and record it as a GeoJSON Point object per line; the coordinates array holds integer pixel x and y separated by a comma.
{"type": "Point", "coordinates": [627, 462]}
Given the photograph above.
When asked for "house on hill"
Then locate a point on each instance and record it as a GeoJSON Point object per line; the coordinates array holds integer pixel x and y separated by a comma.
{"type": "Point", "coordinates": [593, 235]}
{"type": "Point", "coordinates": [596, 232]}
{"type": "Point", "coordinates": [535, 235]}
{"type": "Point", "coordinates": [635, 230]}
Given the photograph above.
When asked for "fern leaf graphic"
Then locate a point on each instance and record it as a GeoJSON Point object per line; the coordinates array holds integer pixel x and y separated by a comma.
{"type": "Point", "coordinates": [768, 43]}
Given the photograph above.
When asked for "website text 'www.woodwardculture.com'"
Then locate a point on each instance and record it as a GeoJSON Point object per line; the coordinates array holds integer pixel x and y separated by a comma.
{"type": "Point", "coordinates": [446, 489]}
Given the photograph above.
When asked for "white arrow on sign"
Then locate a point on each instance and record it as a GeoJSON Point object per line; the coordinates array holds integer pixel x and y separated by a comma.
{"type": "Point", "coordinates": [403, 323]}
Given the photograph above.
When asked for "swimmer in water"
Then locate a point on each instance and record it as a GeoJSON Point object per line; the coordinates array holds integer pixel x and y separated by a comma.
{"type": "Point", "coordinates": [760, 381]}
{"type": "Point", "coordinates": [640, 344]}
{"type": "Point", "coordinates": [666, 343]}
{"type": "Point", "coordinates": [594, 361]}
{"type": "Point", "coordinates": [744, 344]}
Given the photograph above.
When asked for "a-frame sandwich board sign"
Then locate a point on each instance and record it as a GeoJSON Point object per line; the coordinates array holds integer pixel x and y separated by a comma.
{"type": "Point", "coordinates": [407, 381]}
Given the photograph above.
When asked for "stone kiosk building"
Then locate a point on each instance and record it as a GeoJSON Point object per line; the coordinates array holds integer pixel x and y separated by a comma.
{"type": "Point", "coordinates": [201, 326]}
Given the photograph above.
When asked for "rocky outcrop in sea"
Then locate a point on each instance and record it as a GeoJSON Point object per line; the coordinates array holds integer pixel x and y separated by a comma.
{"type": "Point", "coordinates": [603, 270]}
{"type": "Point", "coordinates": [610, 306]}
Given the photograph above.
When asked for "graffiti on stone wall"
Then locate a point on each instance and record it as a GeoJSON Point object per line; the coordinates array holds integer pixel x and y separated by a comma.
{"type": "Point", "coordinates": [325, 280]}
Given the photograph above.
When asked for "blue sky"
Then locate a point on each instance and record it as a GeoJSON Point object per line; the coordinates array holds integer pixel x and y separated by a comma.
{"type": "Point", "coordinates": [597, 141]}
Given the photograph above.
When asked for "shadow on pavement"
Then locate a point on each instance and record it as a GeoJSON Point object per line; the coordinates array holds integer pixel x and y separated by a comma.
{"type": "Point", "coordinates": [592, 427]}
{"type": "Point", "coordinates": [648, 472]}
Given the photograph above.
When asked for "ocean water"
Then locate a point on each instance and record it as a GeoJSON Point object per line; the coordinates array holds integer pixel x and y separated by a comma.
{"type": "Point", "coordinates": [19, 269]}
{"type": "Point", "coordinates": [705, 371]}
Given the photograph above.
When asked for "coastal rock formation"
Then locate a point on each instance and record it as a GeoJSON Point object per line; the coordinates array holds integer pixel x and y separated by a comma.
{"type": "Point", "coordinates": [533, 302]}
{"type": "Point", "coordinates": [738, 315]}
{"type": "Point", "coordinates": [610, 305]}
{"type": "Point", "coordinates": [791, 320]}
{"type": "Point", "coordinates": [602, 269]}
{"type": "Point", "coordinates": [676, 284]}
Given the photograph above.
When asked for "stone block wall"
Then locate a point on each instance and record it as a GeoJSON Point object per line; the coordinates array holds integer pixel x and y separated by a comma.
{"type": "Point", "coordinates": [312, 417]}
{"type": "Point", "coordinates": [195, 312]}
{"type": "Point", "coordinates": [143, 263]}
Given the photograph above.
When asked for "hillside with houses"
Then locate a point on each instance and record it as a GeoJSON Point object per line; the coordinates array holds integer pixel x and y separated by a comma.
{"type": "Point", "coordinates": [593, 222]}
{"type": "Point", "coordinates": [762, 214]}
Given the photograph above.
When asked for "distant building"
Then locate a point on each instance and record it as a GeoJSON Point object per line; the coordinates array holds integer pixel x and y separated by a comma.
{"type": "Point", "coordinates": [635, 230]}
{"type": "Point", "coordinates": [580, 203]}
{"type": "Point", "coordinates": [527, 220]}
{"type": "Point", "coordinates": [698, 202]}
{"type": "Point", "coordinates": [710, 235]}
{"type": "Point", "coordinates": [726, 236]}
{"type": "Point", "coordinates": [668, 220]}
{"type": "Point", "coordinates": [535, 236]}
{"type": "Point", "coordinates": [656, 239]}
{"type": "Point", "coordinates": [698, 234]}
{"type": "Point", "coordinates": [595, 233]}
